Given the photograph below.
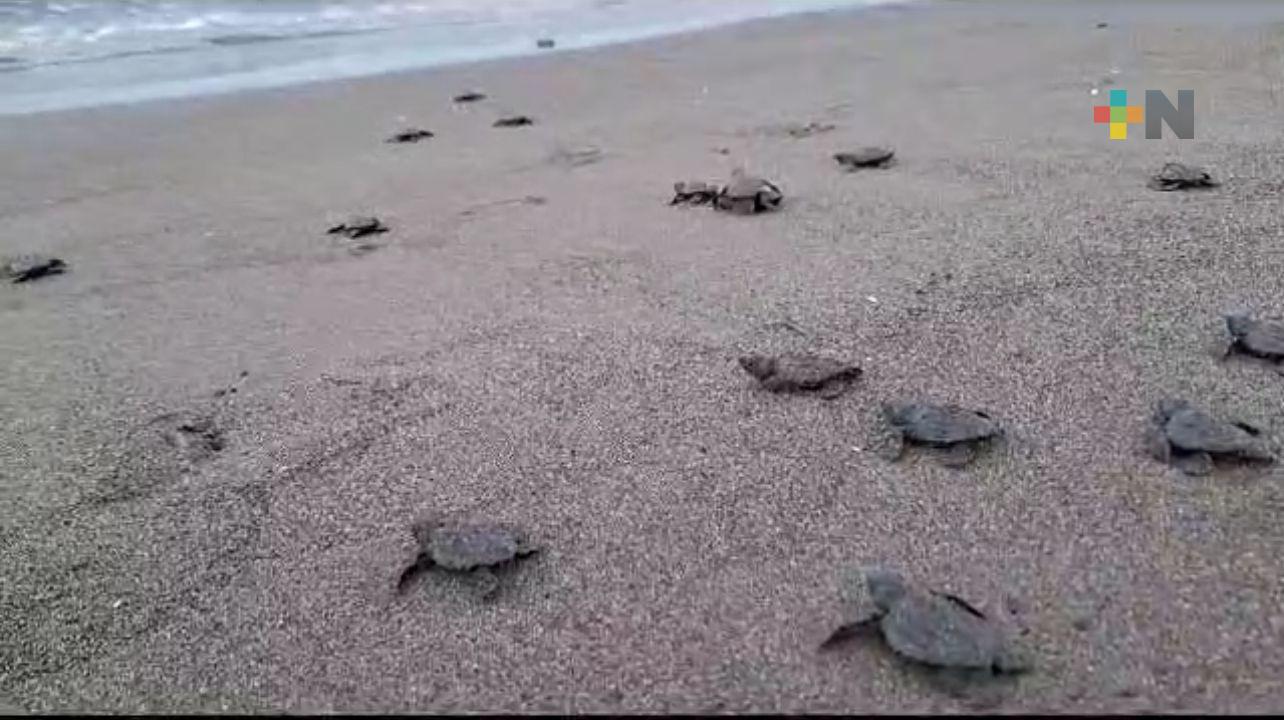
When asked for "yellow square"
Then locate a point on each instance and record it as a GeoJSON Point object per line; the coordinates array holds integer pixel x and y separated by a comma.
{"type": "Point", "coordinates": [1118, 131]}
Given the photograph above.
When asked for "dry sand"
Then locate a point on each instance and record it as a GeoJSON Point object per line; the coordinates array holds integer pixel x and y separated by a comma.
{"type": "Point", "coordinates": [568, 364]}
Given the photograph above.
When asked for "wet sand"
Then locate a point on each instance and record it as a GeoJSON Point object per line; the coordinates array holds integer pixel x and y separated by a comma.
{"type": "Point", "coordinates": [546, 342]}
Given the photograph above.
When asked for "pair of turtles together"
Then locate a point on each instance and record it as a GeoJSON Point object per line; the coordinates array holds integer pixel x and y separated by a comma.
{"type": "Point", "coordinates": [1189, 438]}
{"type": "Point", "coordinates": [958, 431]}
{"type": "Point", "coordinates": [744, 195]}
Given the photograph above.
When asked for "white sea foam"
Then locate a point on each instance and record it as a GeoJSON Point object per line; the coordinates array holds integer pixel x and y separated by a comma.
{"type": "Point", "coordinates": [71, 54]}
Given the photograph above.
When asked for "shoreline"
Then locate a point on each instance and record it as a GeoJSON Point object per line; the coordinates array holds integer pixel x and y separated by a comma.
{"type": "Point", "coordinates": [303, 74]}
{"type": "Point", "coordinates": [542, 340]}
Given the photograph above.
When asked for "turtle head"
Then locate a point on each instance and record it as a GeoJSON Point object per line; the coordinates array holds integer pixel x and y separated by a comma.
{"type": "Point", "coordinates": [886, 587]}
{"type": "Point", "coordinates": [1239, 323]}
{"type": "Point", "coordinates": [895, 412]}
{"type": "Point", "coordinates": [759, 366]}
{"type": "Point", "coordinates": [1166, 408]}
{"type": "Point", "coordinates": [423, 529]}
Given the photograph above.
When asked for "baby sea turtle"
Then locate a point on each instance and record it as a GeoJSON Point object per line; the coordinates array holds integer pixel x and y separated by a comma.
{"type": "Point", "coordinates": [515, 121]}
{"type": "Point", "coordinates": [1189, 439]}
{"type": "Point", "coordinates": [359, 226]}
{"type": "Point", "coordinates": [545, 44]}
{"type": "Point", "coordinates": [797, 373]}
{"type": "Point", "coordinates": [747, 195]}
{"type": "Point", "coordinates": [1257, 338]}
{"type": "Point", "coordinates": [931, 628]}
{"type": "Point", "coordinates": [954, 428]}
{"type": "Point", "coordinates": [25, 268]}
{"type": "Point", "coordinates": [798, 132]}
{"type": "Point", "coordinates": [470, 97]}
{"type": "Point", "coordinates": [413, 135]}
{"type": "Point", "coordinates": [1176, 176]}
{"type": "Point", "coordinates": [694, 193]}
{"type": "Point", "coordinates": [466, 548]}
{"type": "Point", "coordinates": [866, 157]}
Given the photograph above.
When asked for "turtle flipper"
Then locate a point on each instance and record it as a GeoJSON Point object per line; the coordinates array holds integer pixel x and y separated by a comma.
{"type": "Point", "coordinates": [1158, 446]}
{"type": "Point", "coordinates": [1196, 463]}
{"type": "Point", "coordinates": [891, 445]}
{"type": "Point", "coordinates": [485, 584]}
{"type": "Point", "coordinates": [421, 564]}
{"type": "Point", "coordinates": [834, 389]}
{"type": "Point", "coordinates": [850, 631]}
{"type": "Point", "coordinates": [958, 455]}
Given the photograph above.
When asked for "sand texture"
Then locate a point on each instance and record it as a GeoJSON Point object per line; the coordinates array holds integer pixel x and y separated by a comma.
{"type": "Point", "coordinates": [217, 428]}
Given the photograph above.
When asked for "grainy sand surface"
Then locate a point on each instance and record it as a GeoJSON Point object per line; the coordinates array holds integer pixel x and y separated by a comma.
{"type": "Point", "coordinates": [567, 363]}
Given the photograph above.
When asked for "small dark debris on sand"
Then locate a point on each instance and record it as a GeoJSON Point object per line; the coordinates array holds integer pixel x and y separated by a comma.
{"type": "Point", "coordinates": [930, 628]}
{"type": "Point", "coordinates": [515, 121]}
{"type": "Point", "coordinates": [798, 132]}
{"type": "Point", "coordinates": [958, 431]}
{"type": "Point", "coordinates": [1190, 439]}
{"type": "Point", "coordinates": [1101, 25]}
{"type": "Point", "coordinates": [866, 157]}
{"type": "Point", "coordinates": [799, 373]}
{"type": "Point", "coordinates": [545, 43]}
{"type": "Point", "coordinates": [26, 268]}
{"type": "Point", "coordinates": [196, 437]}
{"type": "Point", "coordinates": [1258, 338]}
{"type": "Point", "coordinates": [359, 226]}
{"type": "Point", "coordinates": [1176, 176]}
{"type": "Point", "coordinates": [413, 135]}
{"type": "Point", "coordinates": [472, 549]}
{"type": "Point", "coordinates": [470, 97]}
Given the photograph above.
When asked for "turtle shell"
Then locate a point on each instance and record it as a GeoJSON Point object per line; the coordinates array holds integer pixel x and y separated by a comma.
{"type": "Point", "coordinates": [865, 157]}
{"type": "Point", "coordinates": [746, 195]}
{"type": "Point", "coordinates": [1258, 338]}
{"type": "Point", "coordinates": [465, 547]}
{"type": "Point", "coordinates": [943, 631]}
{"type": "Point", "coordinates": [1176, 176]}
{"type": "Point", "coordinates": [1191, 430]}
{"type": "Point", "coordinates": [797, 372]}
{"type": "Point", "coordinates": [941, 424]}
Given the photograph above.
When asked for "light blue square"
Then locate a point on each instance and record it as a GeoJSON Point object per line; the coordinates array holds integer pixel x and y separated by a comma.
{"type": "Point", "coordinates": [1119, 98]}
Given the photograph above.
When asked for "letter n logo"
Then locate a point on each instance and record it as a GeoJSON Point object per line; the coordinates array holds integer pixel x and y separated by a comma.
{"type": "Point", "coordinates": [1180, 119]}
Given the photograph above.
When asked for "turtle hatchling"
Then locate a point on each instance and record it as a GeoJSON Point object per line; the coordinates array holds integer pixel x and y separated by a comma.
{"type": "Point", "coordinates": [1257, 338]}
{"type": "Point", "coordinates": [413, 135]}
{"type": "Point", "coordinates": [748, 195]}
{"type": "Point", "coordinates": [866, 157]}
{"type": "Point", "coordinates": [931, 628]}
{"type": "Point", "coordinates": [797, 373]}
{"type": "Point", "coordinates": [358, 226]}
{"type": "Point", "coordinates": [1190, 439]}
{"type": "Point", "coordinates": [958, 430]}
{"type": "Point", "coordinates": [1176, 176]}
{"type": "Point", "coordinates": [694, 193]}
{"type": "Point", "coordinates": [473, 549]}
{"type": "Point", "coordinates": [25, 268]}
{"type": "Point", "coordinates": [470, 97]}
{"type": "Point", "coordinates": [515, 121]}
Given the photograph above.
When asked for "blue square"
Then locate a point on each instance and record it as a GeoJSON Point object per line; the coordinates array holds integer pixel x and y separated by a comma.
{"type": "Point", "coordinates": [1119, 98]}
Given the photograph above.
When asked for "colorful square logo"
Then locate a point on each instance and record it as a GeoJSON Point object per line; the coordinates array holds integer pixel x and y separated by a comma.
{"type": "Point", "coordinates": [1118, 115]}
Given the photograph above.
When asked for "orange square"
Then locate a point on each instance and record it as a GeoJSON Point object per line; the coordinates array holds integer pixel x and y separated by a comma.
{"type": "Point", "coordinates": [1135, 115]}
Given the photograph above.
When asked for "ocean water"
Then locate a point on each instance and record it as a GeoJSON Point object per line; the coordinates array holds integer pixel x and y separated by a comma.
{"type": "Point", "coordinates": [81, 53]}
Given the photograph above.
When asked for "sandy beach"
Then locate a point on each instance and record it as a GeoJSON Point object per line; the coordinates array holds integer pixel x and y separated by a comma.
{"type": "Point", "coordinates": [541, 339]}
